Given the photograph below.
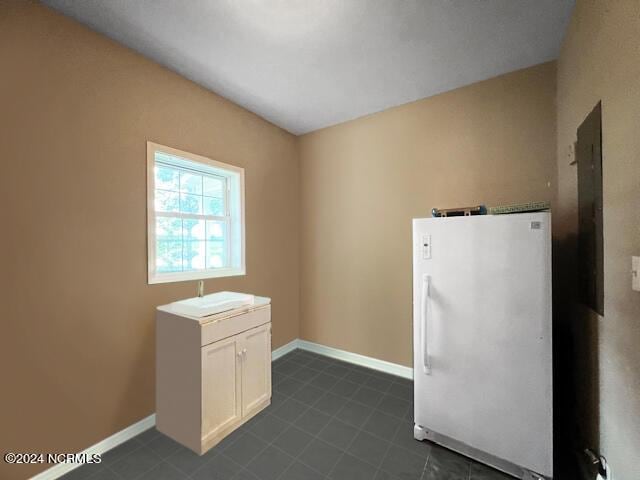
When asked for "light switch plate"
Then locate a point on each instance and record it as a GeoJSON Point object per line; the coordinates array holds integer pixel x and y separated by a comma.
{"type": "Point", "coordinates": [635, 273]}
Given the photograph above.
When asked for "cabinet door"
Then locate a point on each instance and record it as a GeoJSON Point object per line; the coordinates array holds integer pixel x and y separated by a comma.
{"type": "Point", "coordinates": [221, 380]}
{"type": "Point", "coordinates": [256, 368]}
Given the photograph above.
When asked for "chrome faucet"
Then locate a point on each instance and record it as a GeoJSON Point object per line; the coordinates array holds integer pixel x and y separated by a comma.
{"type": "Point", "coordinates": [200, 288]}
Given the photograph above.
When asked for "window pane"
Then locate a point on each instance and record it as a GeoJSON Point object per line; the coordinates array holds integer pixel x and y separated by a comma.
{"type": "Point", "coordinates": [214, 206]}
{"type": "Point", "coordinates": [169, 229]}
{"type": "Point", "coordinates": [193, 257]}
{"type": "Point", "coordinates": [190, 203]}
{"type": "Point", "coordinates": [167, 178]}
{"type": "Point", "coordinates": [168, 256]}
{"type": "Point", "coordinates": [166, 201]}
{"type": "Point", "coordinates": [190, 183]}
{"type": "Point", "coordinates": [216, 231]}
{"type": "Point", "coordinates": [214, 187]}
{"type": "Point", "coordinates": [216, 244]}
{"type": "Point", "coordinates": [193, 229]}
{"type": "Point", "coordinates": [216, 254]}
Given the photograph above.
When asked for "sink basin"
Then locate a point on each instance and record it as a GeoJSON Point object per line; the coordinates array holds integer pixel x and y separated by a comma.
{"type": "Point", "coordinates": [211, 304]}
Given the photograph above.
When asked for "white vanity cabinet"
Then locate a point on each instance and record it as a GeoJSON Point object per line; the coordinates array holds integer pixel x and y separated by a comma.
{"type": "Point", "coordinates": [212, 373]}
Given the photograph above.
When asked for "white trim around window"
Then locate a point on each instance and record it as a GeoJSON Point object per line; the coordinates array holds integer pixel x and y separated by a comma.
{"type": "Point", "coordinates": [195, 216]}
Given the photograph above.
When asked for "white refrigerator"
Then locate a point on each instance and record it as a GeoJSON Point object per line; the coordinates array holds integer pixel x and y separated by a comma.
{"type": "Point", "coordinates": [482, 339]}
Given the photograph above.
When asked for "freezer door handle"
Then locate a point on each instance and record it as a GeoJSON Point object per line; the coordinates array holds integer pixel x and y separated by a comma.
{"type": "Point", "coordinates": [424, 309]}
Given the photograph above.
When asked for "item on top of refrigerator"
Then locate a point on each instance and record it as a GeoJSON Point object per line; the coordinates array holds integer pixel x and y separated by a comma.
{"type": "Point", "coordinates": [520, 208]}
{"type": "Point", "coordinates": [459, 211]}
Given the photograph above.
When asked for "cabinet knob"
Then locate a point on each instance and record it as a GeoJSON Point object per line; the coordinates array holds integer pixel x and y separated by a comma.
{"type": "Point", "coordinates": [239, 354]}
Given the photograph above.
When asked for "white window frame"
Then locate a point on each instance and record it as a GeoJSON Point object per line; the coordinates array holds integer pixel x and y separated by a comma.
{"type": "Point", "coordinates": [237, 219]}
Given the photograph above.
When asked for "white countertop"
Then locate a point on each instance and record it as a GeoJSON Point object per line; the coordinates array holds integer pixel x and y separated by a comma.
{"type": "Point", "coordinates": [259, 302]}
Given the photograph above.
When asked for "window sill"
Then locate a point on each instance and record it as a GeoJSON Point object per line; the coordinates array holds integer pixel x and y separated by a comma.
{"type": "Point", "coordinates": [190, 276]}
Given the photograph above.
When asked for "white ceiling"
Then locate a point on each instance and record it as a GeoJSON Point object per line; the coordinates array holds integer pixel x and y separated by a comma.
{"type": "Point", "coordinates": [308, 64]}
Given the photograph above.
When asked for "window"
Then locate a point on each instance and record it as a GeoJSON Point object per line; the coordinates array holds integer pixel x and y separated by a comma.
{"type": "Point", "coordinates": [195, 215]}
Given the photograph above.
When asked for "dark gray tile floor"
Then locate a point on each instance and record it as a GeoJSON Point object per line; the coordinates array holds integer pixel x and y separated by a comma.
{"type": "Point", "coordinates": [327, 420]}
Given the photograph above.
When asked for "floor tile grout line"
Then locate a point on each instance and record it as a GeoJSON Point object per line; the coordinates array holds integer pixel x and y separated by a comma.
{"type": "Point", "coordinates": [426, 464]}
{"type": "Point", "coordinates": [390, 443]}
{"type": "Point", "coordinates": [186, 474]}
{"type": "Point", "coordinates": [317, 436]}
{"type": "Point", "coordinates": [351, 366]}
{"type": "Point", "coordinates": [386, 392]}
{"type": "Point", "coordinates": [387, 452]}
{"type": "Point", "coordinates": [352, 440]}
{"type": "Point", "coordinates": [140, 447]}
{"type": "Point", "coordinates": [290, 375]}
{"type": "Point", "coordinates": [351, 397]}
{"type": "Point", "coordinates": [359, 429]}
{"type": "Point", "coordinates": [220, 453]}
{"type": "Point", "coordinates": [360, 386]}
{"type": "Point", "coordinates": [348, 365]}
{"type": "Point", "coordinates": [366, 374]}
{"type": "Point", "coordinates": [110, 470]}
{"type": "Point", "coordinates": [290, 424]}
{"type": "Point", "coordinates": [143, 445]}
{"type": "Point", "coordinates": [162, 460]}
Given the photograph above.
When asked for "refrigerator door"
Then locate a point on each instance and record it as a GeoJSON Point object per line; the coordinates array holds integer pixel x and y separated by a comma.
{"type": "Point", "coordinates": [482, 334]}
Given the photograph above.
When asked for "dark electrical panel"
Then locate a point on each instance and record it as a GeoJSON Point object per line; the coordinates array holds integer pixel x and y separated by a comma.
{"type": "Point", "coordinates": [590, 236]}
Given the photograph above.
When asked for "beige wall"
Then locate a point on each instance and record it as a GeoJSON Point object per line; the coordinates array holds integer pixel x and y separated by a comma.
{"type": "Point", "coordinates": [77, 315]}
{"type": "Point", "coordinates": [362, 181]}
{"type": "Point", "coordinates": [77, 345]}
{"type": "Point", "coordinates": [600, 60]}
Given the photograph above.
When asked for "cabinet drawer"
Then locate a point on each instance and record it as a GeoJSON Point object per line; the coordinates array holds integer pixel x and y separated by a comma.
{"type": "Point", "coordinates": [214, 331]}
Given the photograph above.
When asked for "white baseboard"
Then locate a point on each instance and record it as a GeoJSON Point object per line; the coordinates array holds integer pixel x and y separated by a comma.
{"type": "Point", "coordinates": [131, 431]}
{"type": "Point", "coordinates": [284, 349]}
{"type": "Point", "coordinates": [357, 359]}
{"type": "Point", "coordinates": [100, 448]}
